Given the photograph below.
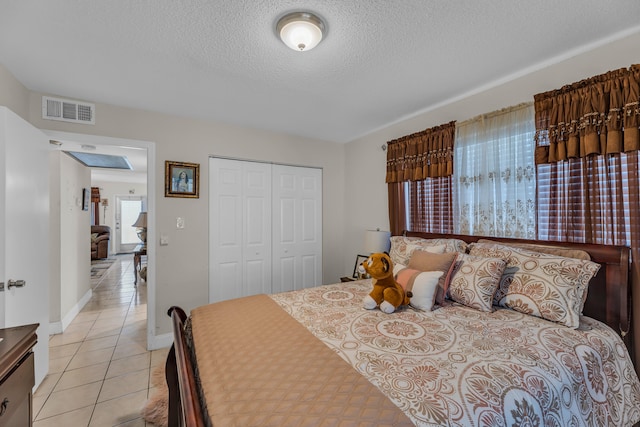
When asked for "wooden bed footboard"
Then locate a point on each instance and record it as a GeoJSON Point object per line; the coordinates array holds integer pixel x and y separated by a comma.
{"type": "Point", "coordinates": [184, 406]}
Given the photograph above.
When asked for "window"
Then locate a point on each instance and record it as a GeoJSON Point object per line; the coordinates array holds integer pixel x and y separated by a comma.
{"type": "Point", "coordinates": [493, 188]}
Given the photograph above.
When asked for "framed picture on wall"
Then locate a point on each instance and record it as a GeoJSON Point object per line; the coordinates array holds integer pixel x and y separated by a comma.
{"type": "Point", "coordinates": [181, 179]}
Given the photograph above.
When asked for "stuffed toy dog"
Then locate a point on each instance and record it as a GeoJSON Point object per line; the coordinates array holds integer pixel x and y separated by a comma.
{"type": "Point", "coordinates": [386, 293]}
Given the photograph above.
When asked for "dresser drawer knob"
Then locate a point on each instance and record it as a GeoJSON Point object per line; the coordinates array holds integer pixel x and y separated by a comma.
{"type": "Point", "coordinates": [3, 406]}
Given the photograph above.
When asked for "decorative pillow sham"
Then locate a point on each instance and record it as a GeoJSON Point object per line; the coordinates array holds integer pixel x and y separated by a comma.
{"type": "Point", "coordinates": [545, 249]}
{"type": "Point", "coordinates": [426, 261]}
{"type": "Point", "coordinates": [542, 285]}
{"type": "Point", "coordinates": [402, 247]}
{"type": "Point", "coordinates": [422, 284]}
{"type": "Point", "coordinates": [475, 281]}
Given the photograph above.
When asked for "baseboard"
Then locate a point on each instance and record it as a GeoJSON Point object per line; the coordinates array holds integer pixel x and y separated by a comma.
{"type": "Point", "coordinates": [59, 327]}
{"type": "Point", "coordinates": [156, 342]}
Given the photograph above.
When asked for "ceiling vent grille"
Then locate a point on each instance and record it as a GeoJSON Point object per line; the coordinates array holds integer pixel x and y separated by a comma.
{"type": "Point", "coordinates": [67, 110]}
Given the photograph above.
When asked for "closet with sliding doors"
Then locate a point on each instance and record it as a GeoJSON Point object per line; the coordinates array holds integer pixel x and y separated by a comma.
{"type": "Point", "coordinates": [265, 228]}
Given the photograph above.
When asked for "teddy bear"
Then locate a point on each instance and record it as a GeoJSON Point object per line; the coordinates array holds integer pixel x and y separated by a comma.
{"type": "Point", "coordinates": [386, 292]}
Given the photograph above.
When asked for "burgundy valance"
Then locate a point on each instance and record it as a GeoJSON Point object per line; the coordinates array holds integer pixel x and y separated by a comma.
{"type": "Point", "coordinates": [599, 115]}
{"type": "Point", "coordinates": [421, 155]}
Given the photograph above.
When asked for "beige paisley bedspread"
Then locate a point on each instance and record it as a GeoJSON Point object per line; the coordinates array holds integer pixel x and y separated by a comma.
{"type": "Point", "coordinates": [461, 367]}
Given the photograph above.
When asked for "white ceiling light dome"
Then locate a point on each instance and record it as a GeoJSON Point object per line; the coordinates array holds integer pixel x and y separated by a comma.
{"type": "Point", "coordinates": [300, 31]}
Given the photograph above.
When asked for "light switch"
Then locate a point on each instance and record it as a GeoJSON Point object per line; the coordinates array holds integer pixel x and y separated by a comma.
{"type": "Point", "coordinates": [164, 240]}
{"type": "Point", "coordinates": [179, 222]}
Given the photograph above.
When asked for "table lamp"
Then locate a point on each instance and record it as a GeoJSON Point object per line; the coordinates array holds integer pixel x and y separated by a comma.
{"type": "Point", "coordinates": [141, 224]}
{"type": "Point", "coordinates": [377, 241]}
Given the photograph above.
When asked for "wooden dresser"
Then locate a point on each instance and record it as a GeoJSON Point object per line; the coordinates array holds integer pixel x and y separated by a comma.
{"type": "Point", "coordinates": [17, 375]}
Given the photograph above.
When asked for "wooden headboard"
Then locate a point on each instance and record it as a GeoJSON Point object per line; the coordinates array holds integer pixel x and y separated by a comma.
{"type": "Point", "coordinates": [609, 295]}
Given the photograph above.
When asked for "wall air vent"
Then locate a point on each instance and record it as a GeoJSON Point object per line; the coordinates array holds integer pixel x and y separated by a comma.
{"type": "Point", "coordinates": [67, 110]}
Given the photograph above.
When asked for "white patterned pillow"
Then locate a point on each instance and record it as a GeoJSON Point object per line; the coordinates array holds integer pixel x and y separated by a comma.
{"type": "Point", "coordinates": [542, 285]}
{"type": "Point", "coordinates": [422, 284]}
{"type": "Point", "coordinates": [475, 281]}
{"type": "Point", "coordinates": [402, 247]}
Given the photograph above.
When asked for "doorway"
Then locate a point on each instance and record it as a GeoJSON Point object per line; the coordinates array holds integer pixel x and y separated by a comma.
{"type": "Point", "coordinates": [153, 341]}
{"type": "Point", "coordinates": [127, 210]}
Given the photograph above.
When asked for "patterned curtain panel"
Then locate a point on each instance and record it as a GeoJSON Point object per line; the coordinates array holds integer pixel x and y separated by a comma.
{"type": "Point", "coordinates": [425, 154]}
{"type": "Point", "coordinates": [599, 115]}
{"type": "Point", "coordinates": [588, 163]}
{"type": "Point", "coordinates": [397, 208]}
{"type": "Point", "coordinates": [495, 174]}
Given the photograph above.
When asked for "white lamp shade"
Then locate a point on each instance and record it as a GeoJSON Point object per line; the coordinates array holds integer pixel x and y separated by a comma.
{"type": "Point", "coordinates": [141, 221]}
{"type": "Point", "coordinates": [377, 241]}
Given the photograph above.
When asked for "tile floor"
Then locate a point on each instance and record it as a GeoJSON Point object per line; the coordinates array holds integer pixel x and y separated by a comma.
{"type": "Point", "coordinates": [99, 367]}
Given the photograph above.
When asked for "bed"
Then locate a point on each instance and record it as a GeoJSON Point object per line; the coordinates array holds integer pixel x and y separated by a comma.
{"type": "Point", "coordinates": [479, 357]}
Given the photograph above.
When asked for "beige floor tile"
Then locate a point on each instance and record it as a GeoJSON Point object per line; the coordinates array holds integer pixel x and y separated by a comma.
{"type": "Point", "coordinates": [78, 327]}
{"type": "Point", "coordinates": [117, 312]}
{"type": "Point", "coordinates": [124, 384]}
{"type": "Point", "coordinates": [118, 411]}
{"type": "Point", "coordinates": [110, 322]}
{"type": "Point", "coordinates": [98, 343]}
{"type": "Point", "coordinates": [107, 339]}
{"type": "Point", "coordinates": [47, 384]}
{"type": "Point", "coordinates": [60, 402]}
{"type": "Point", "coordinates": [139, 422]}
{"type": "Point", "coordinates": [63, 350]}
{"type": "Point", "coordinates": [159, 356]}
{"type": "Point", "coordinates": [129, 364]}
{"type": "Point", "coordinates": [77, 377]}
{"type": "Point", "coordinates": [103, 332]}
{"type": "Point", "coordinates": [88, 358]}
{"type": "Point", "coordinates": [36, 404]}
{"type": "Point", "coordinates": [59, 364]}
{"type": "Point", "coordinates": [77, 418]}
{"type": "Point", "coordinates": [67, 338]}
{"type": "Point", "coordinates": [86, 316]}
{"type": "Point", "coordinates": [130, 349]}
{"type": "Point", "coordinates": [132, 340]}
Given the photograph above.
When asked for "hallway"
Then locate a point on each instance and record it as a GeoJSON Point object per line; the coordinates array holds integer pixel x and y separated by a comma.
{"type": "Point", "coordinates": [99, 367]}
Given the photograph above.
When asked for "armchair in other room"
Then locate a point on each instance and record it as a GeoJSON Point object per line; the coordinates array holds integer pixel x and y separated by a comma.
{"type": "Point", "coordinates": [100, 235]}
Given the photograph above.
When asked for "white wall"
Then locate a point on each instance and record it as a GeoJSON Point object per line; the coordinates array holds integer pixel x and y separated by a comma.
{"type": "Point", "coordinates": [13, 94]}
{"type": "Point", "coordinates": [366, 160]}
{"type": "Point", "coordinates": [70, 285]}
{"type": "Point", "coordinates": [182, 265]}
{"type": "Point", "coordinates": [109, 190]}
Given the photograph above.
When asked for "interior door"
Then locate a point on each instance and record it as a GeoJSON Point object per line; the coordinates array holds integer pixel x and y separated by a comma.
{"type": "Point", "coordinates": [297, 228]}
{"type": "Point", "coordinates": [127, 210]}
{"type": "Point", "coordinates": [24, 231]}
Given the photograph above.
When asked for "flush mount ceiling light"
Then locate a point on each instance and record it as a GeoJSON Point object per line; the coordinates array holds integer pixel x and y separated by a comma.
{"type": "Point", "coordinates": [300, 30]}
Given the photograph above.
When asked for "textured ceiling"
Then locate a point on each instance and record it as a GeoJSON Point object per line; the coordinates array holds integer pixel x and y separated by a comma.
{"type": "Point", "coordinates": [381, 60]}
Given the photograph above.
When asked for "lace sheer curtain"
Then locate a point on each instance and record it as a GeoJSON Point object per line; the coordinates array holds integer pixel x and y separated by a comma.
{"type": "Point", "coordinates": [494, 171]}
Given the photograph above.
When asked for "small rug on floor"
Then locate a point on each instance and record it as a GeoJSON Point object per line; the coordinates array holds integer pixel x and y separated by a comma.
{"type": "Point", "coordinates": [100, 266]}
{"type": "Point", "coordinates": [156, 408]}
